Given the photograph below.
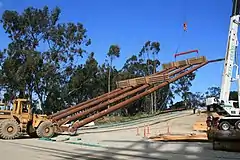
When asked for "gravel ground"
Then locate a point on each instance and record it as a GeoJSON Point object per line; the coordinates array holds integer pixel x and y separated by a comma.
{"type": "Point", "coordinates": [120, 144]}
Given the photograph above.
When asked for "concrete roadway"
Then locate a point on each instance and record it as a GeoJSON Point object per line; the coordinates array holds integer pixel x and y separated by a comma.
{"type": "Point", "coordinates": [27, 149]}
{"type": "Point", "coordinates": [118, 144]}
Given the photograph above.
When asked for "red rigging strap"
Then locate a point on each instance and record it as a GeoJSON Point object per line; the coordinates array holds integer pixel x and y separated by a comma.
{"type": "Point", "coordinates": [182, 53]}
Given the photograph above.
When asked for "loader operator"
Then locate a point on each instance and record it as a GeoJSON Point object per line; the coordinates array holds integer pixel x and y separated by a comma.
{"type": "Point", "coordinates": [24, 108]}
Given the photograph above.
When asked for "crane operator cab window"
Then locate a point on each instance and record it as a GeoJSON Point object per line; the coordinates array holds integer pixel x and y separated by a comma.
{"type": "Point", "coordinates": [235, 105]}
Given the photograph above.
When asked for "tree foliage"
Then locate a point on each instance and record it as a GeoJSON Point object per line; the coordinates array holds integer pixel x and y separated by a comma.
{"type": "Point", "coordinates": [213, 92]}
{"type": "Point", "coordinates": [40, 56]}
{"type": "Point", "coordinates": [44, 62]}
{"type": "Point", "coordinates": [182, 87]}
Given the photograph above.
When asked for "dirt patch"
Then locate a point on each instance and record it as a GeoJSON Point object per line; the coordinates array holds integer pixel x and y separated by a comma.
{"type": "Point", "coordinates": [109, 119]}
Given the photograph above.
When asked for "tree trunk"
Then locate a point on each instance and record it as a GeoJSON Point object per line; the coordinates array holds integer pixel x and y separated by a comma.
{"type": "Point", "coordinates": [155, 101]}
{"type": "Point", "coordinates": [154, 93]}
{"type": "Point", "coordinates": [152, 102]}
{"type": "Point", "coordinates": [109, 78]}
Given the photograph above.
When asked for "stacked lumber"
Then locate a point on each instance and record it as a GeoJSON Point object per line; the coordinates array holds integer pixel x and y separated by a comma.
{"type": "Point", "coordinates": [168, 65]}
{"type": "Point", "coordinates": [158, 78]}
{"type": "Point", "coordinates": [182, 63]}
{"type": "Point", "coordinates": [142, 80]}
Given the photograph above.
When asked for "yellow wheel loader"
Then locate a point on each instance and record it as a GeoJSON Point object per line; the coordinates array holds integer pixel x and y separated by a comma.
{"type": "Point", "coordinates": [20, 119]}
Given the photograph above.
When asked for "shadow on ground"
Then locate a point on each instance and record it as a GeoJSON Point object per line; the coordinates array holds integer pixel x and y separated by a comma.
{"type": "Point", "coordinates": [139, 150]}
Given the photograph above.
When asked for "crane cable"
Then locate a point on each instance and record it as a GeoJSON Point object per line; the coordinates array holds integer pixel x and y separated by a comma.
{"type": "Point", "coordinates": [184, 27]}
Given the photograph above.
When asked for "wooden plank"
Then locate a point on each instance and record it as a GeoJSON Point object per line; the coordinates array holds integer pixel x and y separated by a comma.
{"type": "Point", "coordinates": [180, 137]}
{"type": "Point", "coordinates": [200, 126]}
{"type": "Point", "coordinates": [159, 78]}
{"type": "Point", "coordinates": [132, 82]}
{"type": "Point", "coordinates": [122, 84]}
{"type": "Point", "coordinates": [142, 80]}
{"type": "Point", "coordinates": [168, 65]}
{"type": "Point", "coordinates": [193, 61]}
{"type": "Point", "coordinates": [181, 63]}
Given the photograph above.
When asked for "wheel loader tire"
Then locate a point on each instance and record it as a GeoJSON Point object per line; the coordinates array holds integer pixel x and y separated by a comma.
{"type": "Point", "coordinates": [1, 121]}
{"type": "Point", "coordinates": [9, 129]}
{"type": "Point", "coordinates": [45, 130]}
{"type": "Point", "coordinates": [32, 132]}
{"type": "Point", "coordinates": [74, 133]}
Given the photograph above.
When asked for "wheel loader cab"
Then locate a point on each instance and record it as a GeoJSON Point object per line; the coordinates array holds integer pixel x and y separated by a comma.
{"type": "Point", "coordinates": [22, 110]}
{"type": "Point", "coordinates": [21, 106]}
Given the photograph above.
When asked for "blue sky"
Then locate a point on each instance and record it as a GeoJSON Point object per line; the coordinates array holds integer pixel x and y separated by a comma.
{"type": "Point", "coordinates": [130, 23]}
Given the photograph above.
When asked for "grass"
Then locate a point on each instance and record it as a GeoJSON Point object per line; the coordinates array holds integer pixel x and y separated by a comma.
{"type": "Point", "coordinates": [119, 119]}
{"type": "Point", "coordinates": [115, 119]}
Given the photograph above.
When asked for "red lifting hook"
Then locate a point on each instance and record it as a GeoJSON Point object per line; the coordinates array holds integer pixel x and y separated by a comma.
{"type": "Point", "coordinates": [185, 26]}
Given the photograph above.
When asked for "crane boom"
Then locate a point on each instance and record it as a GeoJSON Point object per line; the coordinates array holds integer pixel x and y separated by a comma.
{"type": "Point", "coordinates": [227, 108]}
{"type": "Point", "coordinates": [230, 56]}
